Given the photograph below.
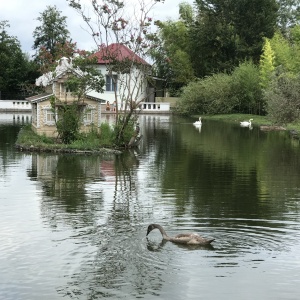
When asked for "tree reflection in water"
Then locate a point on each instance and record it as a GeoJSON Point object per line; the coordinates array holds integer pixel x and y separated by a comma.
{"type": "Point", "coordinates": [72, 188]}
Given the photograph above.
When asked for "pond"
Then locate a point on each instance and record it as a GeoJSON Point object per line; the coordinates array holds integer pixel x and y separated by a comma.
{"type": "Point", "coordinates": [74, 226]}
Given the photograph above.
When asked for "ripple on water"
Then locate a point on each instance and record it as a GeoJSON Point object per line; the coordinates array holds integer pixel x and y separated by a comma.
{"type": "Point", "coordinates": [238, 242]}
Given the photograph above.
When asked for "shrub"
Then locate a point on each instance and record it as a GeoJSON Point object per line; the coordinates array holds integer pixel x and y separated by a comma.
{"type": "Point", "coordinates": [28, 137]}
{"type": "Point", "coordinates": [210, 95]}
{"type": "Point", "coordinates": [283, 99]}
{"type": "Point", "coordinates": [68, 123]}
{"type": "Point", "coordinates": [126, 134]}
{"type": "Point", "coordinates": [246, 90]}
{"type": "Point", "coordinates": [106, 134]}
{"type": "Point", "coordinates": [223, 93]}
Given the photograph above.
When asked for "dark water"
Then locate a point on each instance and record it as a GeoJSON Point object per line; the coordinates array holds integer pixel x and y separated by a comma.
{"type": "Point", "coordinates": [73, 227]}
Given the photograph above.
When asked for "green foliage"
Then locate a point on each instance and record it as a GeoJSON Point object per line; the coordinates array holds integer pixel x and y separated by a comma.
{"type": "Point", "coordinates": [223, 93]}
{"type": "Point", "coordinates": [186, 12]}
{"type": "Point", "coordinates": [51, 31]}
{"type": "Point", "coordinates": [266, 64]}
{"type": "Point", "coordinates": [92, 140]}
{"type": "Point", "coordinates": [107, 134]}
{"type": "Point", "coordinates": [124, 130]}
{"type": "Point", "coordinates": [281, 85]}
{"type": "Point", "coordinates": [28, 138]}
{"type": "Point", "coordinates": [95, 138]}
{"type": "Point", "coordinates": [225, 33]}
{"type": "Point", "coordinates": [16, 70]}
{"type": "Point", "coordinates": [283, 99]}
{"type": "Point", "coordinates": [80, 81]}
{"type": "Point", "coordinates": [68, 123]}
{"type": "Point", "coordinates": [51, 39]}
{"type": "Point", "coordinates": [246, 89]}
{"type": "Point", "coordinates": [211, 95]}
{"type": "Point", "coordinates": [288, 15]}
{"type": "Point", "coordinates": [110, 27]}
{"type": "Point", "coordinates": [283, 51]}
{"type": "Point", "coordinates": [287, 51]}
{"type": "Point", "coordinates": [172, 54]}
{"type": "Point", "coordinates": [90, 80]}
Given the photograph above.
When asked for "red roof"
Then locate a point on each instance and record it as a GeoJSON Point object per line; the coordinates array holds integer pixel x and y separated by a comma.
{"type": "Point", "coordinates": [117, 52]}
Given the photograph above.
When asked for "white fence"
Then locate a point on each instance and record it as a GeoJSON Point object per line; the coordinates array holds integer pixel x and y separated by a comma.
{"type": "Point", "coordinates": [143, 107]}
{"type": "Point", "coordinates": [24, 105]}
{"type": "Point", "coordinates": [155, 107]}
{"type": "Point", "coordinates": [15, 105]}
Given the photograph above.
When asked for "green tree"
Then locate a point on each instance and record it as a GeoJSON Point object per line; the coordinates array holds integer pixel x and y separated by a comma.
{"type": "Point", "coordinates": [288, 15]}
{"type": "Point", "coordinates": [246, 89]}
{"type": "Point", "coordinates": [172, 58]}
{"type": "Point", "coordinates": [227, 32]}
{"type": "Point", "coordinates": [109, 24]}
{"type": "Point", "coordinates": [213, 38]}
{"type": "Point", "coordinates": [287, 50]}
{"type": "Point", "coordinates": [51, 32]}
{"type": "Point", "coordinates": [16, 70]}
{"type": "Point", "coordinates": [266, 65]}
{"type": "Point", "coordinates": [282, 50]}
{"type": "Point", "coordinates": [282, 97]}
{"type": "Point", "coordinates": [46, 59]}
{"type": "Point", "coordinates": [254, 20]}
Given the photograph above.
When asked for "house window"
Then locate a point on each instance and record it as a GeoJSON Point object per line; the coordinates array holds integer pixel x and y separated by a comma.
{"type": "Point", "coordinates": [50, 117]}
{"type": "Point", "coordinates": [111, 83]}
{"type": "Point", "coordinates": [88, 116]}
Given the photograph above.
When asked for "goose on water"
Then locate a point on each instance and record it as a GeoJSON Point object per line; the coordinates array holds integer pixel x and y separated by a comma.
{"type": "Point", "coordinates": [183, 238]}
{"type": "Point", "coordinates": [246, 123]}
{"type": "Point", "coordinates": [198, 123]}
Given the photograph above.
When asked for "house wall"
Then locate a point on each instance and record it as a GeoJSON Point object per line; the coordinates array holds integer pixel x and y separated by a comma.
{"type": "Point", "coordinates": [171, 100]}
{"type": "Point", "coordinates": [41, 125]}
{"type": "Point", "coordinates": [126, 84]}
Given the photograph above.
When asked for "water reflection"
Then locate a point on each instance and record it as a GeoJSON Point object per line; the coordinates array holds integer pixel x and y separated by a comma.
{"type": "Point", "coordinates": [198, 127]}
{"type": "Point", "coordinates": [15, 118]}
{"type": "Point", "coordinates": [75, 226]}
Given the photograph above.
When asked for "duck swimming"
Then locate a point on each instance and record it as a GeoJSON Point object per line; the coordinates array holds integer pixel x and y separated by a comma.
{"type": "Point", "coordinates": [183, 238]}
{"type": "Point", "coordinates": [246, 123]}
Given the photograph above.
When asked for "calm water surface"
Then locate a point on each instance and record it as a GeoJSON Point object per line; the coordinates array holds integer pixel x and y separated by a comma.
{"type": "Point", "coordinates": [73, 227]}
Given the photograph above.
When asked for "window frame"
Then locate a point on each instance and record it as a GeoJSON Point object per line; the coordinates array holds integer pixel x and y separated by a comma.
{"type": "Point", "coordinates": [111, 83]}
{"type": "Point", "coordinates": [49, 116]}
{"type": "Point", "coordinates": [88, 116]}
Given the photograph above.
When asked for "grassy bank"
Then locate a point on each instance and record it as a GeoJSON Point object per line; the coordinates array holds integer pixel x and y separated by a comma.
{"type": "Point", "coordinates": [91, 142]}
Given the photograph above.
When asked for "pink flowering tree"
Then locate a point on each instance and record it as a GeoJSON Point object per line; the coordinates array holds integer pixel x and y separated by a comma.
{"type": "Point", "coordinates": [114, 26]}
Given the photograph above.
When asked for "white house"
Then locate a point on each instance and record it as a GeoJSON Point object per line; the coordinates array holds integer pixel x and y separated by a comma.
{"type": "Point", "coordinates": [128, 83]}
{"type": "Point", "coordinates": [129, 79]}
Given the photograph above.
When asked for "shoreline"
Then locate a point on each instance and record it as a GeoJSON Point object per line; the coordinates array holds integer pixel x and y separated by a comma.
{"type": "Point", "coordinates": [38, 149]}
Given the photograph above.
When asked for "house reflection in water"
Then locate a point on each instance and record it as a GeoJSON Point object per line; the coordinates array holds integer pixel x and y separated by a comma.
{"type": "Point", "coordinates": [65, 180]}
{"type": "Point", "coordinates": [108, 170]}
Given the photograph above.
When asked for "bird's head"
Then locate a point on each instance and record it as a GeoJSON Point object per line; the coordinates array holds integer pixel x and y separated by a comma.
{"type": "Point", "coordinates": [150, 228]}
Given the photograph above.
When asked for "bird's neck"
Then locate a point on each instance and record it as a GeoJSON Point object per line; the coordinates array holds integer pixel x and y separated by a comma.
{"type": "Point", "coordinates": [163, 233]}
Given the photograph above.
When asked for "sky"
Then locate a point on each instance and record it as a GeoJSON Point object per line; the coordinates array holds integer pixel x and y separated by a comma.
{"type": "Point", "coordinates": [22, 16]}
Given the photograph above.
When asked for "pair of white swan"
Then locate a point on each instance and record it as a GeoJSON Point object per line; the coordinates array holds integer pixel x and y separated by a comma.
{"type": "Point", "coordinates": [183, 238]}
{"type": "Point", "coordinates": [243, 124]}
{"type": "Point", "coordinates": [246, 123]}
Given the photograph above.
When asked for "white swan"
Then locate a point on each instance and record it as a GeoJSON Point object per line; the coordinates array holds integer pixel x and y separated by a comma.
{"type": "Point", "coordinates": [246, 123]}
{"type": "Point", "coordinates": [198, 123]}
